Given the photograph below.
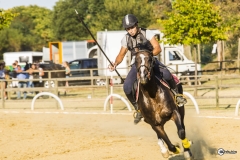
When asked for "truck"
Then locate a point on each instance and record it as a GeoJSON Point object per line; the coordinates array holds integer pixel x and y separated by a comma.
{"type": "Point", "coordinates": [110, 42]}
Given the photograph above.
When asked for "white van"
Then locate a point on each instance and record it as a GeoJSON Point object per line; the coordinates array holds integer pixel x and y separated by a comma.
{"type": "Point", "coordinates": [22, 57]}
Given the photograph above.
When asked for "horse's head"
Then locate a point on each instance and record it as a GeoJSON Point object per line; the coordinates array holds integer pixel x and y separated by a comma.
{"type": "Point", "coordinates": [144, 62]}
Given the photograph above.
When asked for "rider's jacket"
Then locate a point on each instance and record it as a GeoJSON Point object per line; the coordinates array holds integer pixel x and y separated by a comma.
{"type": "Point", "coordinates": [138, 42]}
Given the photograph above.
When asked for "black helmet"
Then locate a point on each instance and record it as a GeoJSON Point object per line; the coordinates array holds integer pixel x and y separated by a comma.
{"type": "Point", "coordinates": [129, 20]}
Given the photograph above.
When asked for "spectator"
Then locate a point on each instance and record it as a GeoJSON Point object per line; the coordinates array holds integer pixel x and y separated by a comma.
{"type": "Point", "coordinates": [31, 72]}
{"type": "Point", "coordinates": [21, 84]}
{"type": "Point", "coordinates": [16, 62]}
{"type": "Point", "coordinates": [14, 75]}
{"type": "Point", "coordinates": [67, 71]}
{"type": "Point", "coordinates": [41, 74]}
{"type": "Point", "coordinates": [2, 77]}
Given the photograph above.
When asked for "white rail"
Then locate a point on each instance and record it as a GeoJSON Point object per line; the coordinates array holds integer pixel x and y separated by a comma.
{"type": "Point", "coordinates": [49, 94]}
{"type": "Point", "coordinates": [193, 100]}
{"type": "Point", "coordinates": [237, 107]}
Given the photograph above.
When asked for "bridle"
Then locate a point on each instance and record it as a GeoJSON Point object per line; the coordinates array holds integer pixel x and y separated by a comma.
{"type": "Point", "coordinates": [148, 68]}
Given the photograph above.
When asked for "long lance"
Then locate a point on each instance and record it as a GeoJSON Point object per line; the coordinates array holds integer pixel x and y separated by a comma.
{"type": "Point", "coordinates": [81, 20]}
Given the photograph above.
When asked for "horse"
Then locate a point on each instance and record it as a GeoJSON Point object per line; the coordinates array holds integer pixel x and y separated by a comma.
{"type": "Point", "coordinates": [157, 105]}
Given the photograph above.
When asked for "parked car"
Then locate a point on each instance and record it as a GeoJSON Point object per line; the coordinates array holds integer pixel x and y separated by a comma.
{"type": "Point", "coordinates": [86, 63]}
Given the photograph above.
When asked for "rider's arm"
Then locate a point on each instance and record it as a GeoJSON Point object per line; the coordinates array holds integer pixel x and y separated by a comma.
{"type": "Point", "coordinates": [120, 56]}
{"type": "Point", "coordinates": [156, 47]}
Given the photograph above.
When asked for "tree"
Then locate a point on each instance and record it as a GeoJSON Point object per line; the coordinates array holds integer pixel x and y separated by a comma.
{"type": "Point", "coordinates": [230, 13]}
{"type": "Point", "coordinates": [160, 7]}
{"type": "Point", "coordinates": [111, 16]}
{"type": "Point", "coordinates": [5, 18]}
{"type": "Point", "coordinates": [193, 22]}
{"type": "Point", "coordinates": [107, 14]}
{"type": "Point", "coordinates": [66, 26]}
{"type": "Point", "coordinates": [34, 24]}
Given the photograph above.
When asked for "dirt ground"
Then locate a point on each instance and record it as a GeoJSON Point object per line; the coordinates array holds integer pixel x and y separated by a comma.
{"type": "Point", "coordinates": [98, 135]}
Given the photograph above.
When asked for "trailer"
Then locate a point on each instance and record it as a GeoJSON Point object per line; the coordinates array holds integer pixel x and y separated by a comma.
{"type": "Point", "coordinates": [22, 57]}
{"type": "Point", "coordinates": [70, 50]}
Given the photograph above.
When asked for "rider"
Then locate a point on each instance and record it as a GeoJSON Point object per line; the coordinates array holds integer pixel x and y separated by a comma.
{"type": "Point", "coordinates": [139, 38]}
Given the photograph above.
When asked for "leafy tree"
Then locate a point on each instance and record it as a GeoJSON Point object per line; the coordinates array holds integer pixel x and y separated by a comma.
{"type": "Point", "coordinates": [111, 17]}
{"type": "Point", "coordinates": [34, 24]}
{"type": "Point", "coordinates": [193, 22]}
{"type": "Point", "coordinates": [10, 40]}
{"type": "Point", "coordinates": [5, 18]}
{"type": "Point", "coordinates": [66, 26]}
{"type": "Point", "coordinates": [107, 14]}
{"type": "Point", "coordinates": [230, 13]}
{"type": "Point", "coordinates": [160, 7]}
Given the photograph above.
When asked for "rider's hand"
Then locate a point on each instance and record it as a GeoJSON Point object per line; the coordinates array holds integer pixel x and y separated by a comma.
{"type": "Point", "coordinates": [112, 67]}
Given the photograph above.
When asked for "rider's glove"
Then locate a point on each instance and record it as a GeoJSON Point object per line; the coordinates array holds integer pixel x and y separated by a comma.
{"type": "Point", "coordinates": [112, 66]}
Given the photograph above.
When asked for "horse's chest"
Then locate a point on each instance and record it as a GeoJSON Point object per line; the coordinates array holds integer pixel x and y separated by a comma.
{"type": "Point", "coordinates": [157, 109]}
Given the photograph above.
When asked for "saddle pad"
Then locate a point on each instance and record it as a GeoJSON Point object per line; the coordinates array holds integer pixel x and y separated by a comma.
{"type": "Point", "coordinates": [176, 79]}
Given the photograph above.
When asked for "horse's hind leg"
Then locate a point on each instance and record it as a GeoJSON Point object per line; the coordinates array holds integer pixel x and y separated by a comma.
{"type": "Point", "coordinates": [163, 136]}
{"type": "Point", "coordinates": [181, 133]}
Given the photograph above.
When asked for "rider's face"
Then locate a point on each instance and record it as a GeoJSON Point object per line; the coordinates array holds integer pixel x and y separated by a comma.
{"type": "Point", "coordinates": [132, 30]}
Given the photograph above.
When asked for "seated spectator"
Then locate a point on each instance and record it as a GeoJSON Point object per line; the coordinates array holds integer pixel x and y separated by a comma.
{"type": "Point", "coordinates": [21, 84]}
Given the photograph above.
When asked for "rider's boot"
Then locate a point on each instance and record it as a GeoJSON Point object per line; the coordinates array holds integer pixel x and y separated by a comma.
{"type": "Point", "coordinates": [137, 115]}
{"type": "Point", "coordinates": [180, 99]}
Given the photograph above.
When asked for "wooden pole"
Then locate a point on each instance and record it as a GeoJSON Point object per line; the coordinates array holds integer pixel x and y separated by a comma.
{"type": "Point", "coordinates": [2, 93]}
{"type": "Point", "coordinates": [195, 82]}
{"type": "Point", "coordinates": [223, 57]}
{"type": "Point", "coordinates": [219, 52]}
{"type": "Point", "coordinates": [199, 54]}
{"type": "Point", "coordinates": [238, 55]}
{"type": "Point", "coordinates": [217, 96]}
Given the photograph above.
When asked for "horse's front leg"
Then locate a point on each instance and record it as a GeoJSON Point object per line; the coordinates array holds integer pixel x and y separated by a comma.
{"type": "Point", "coordinates": [163, 136]}
{"type": "Point", "coordinates": [181, 109]}
{"type": "Point", "coordinates": [181, 133]}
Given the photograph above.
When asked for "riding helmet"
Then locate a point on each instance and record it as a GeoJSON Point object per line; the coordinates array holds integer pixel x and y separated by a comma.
{"type": "Point", "coordinates": [129, 20]}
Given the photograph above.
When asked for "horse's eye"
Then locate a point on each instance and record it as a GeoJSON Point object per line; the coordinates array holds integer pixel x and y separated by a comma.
{"type": "Point", "coordinates": [147, 59]}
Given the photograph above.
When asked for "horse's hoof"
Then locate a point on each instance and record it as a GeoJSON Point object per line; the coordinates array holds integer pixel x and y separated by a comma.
{"type": "Point", "coordinates": [177, 150]}
{"type": "Point", "coordinates": [165, 155]}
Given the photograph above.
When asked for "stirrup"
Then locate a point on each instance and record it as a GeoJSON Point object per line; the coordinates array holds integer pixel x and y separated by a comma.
{"type": "Point", "coordinates": [180, 99]}
{"type": "Point", "coordinates": [137, 116]}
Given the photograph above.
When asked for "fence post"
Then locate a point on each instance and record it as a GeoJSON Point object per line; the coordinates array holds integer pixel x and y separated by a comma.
{"type": "Point", "coordinates": [217, 96]}
{"type": "Point", "coordinates": [91, 74]}
{"type": "Point", "coordinates": [2, 93]}
{"type": "Point", "coordinates": [56, 90]}
{"type": "Point", "coordinates": [238, 66]}
{"type": "Point", "coordinates": [49, 74]}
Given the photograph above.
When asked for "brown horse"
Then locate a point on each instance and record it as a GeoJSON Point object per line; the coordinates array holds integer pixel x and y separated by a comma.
{"type": "Point", "coordinates": [157, 105]}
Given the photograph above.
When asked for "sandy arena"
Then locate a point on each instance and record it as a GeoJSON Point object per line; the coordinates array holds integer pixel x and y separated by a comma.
{"type": "Point", "coordinates": [81, 136]}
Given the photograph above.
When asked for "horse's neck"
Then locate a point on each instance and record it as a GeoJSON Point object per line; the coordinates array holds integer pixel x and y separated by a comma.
{"type": "Point", "coordinates": [151, 85]}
